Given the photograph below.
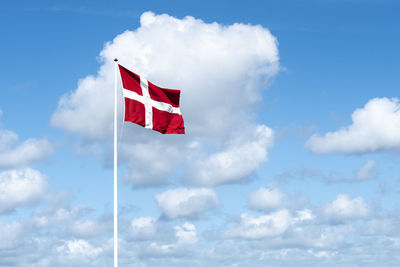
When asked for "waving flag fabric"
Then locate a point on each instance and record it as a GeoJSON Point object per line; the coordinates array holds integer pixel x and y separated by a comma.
{"type": "Point", "coordinates": [151, 106]}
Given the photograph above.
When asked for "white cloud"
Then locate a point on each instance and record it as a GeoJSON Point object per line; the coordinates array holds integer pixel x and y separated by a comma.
{"type": "Point", "coordinates": [44, 239]}
{"type": "Point", "coordinates": [218, 68]}
{"type": "Point", "coordinates": [304, 215]}
{"type": "Point", "coordinates": [283, 229]}
{"type": "Point", "coordinates": [21, 188]}
{"type": "Point", "coordinates": [242, 158]}
{"type": "Point", "coordinates": [144, 228]}
{"type": "Point", "coordinates": [375, 127]}
{"type": "Point", "coordinates": [29, 151]}
{"type": "Point", "coordinates": [183, 202]}
{"type": "Point", "coordinates": [322, 254]}
{"type": "Point", "coordinates": [344, 208]}
{"type": "Point", "coordinates": [79, 249]}
{"type": "Point", "coordinates": [265, 199]}
{"type": "Point", "coordinates": [14, 154]}
{"type": "Point", "coordinates": [221, 71]}
{"type": "Point", "coordinates": [270, 225]}
{"type": "Point", "coordinates": [186, 234]}
{"type": "Point", "coordinates": [276, 239]}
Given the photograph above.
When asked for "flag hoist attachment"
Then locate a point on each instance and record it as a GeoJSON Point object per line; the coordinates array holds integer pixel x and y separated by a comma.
{"type": "Point", "coordinates": [115, 167]}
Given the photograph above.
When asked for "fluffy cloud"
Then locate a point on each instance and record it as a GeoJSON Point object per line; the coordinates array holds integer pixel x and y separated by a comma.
{"type": "Point", "coordinates": [375, 127]}
{"type": "Point", "coordinates": [221, 71]}
{"type": "Point", "coordinates": [186, 234]}
{"type": "Point", "coordinates": [242, 158]}
{"type": "Point", "coordinates": [344, 208]}
{"type": "Point", "coordinates": [20, 188]}
{"type": "Point", "coordinates": [13, 154]}
{"type": "Point", "coordinates": [265, 199]}
{"type": "Point", "coordinates": [280, 238]}
{"type": "Point", "coordinates": [29, 151]}
{"type": "Point", "coordinates": [183, 202]}
{"type": "Point", "coordinates": [270, 225]}
{"type": "Point", "coordinates": [219, 68]}
{"type": "Point", "coordinates": [79, 249]}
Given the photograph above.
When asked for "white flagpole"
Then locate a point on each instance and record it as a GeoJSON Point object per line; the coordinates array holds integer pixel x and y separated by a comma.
{"type": "Point", "coordinates": [115, 168]}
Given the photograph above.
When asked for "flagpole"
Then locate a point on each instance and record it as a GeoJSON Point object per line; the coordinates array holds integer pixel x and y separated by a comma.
{"type": "Point", "coordinates": [115, 168]}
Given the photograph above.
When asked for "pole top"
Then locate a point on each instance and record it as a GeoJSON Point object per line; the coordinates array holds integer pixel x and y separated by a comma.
{"type": "Point", "coordinates": [116, 59]}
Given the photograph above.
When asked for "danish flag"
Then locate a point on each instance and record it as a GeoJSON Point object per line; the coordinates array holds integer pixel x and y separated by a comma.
{"type": "Point", "coordinates": [151, 106]}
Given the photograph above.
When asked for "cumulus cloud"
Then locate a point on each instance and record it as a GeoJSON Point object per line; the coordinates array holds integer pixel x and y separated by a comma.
{"type": "Point", "coordinates": [242, 158]}
{"type": "Point", "coordinates": [218, 68]}
{"type": "Point", "coordinates": [344, 208]}
{"type": "Point", "coordinates": [186, 234]}
{"type": "Point", "coordinates": [221, 71]}
{"type": "Point", "coordinates": [285, 230]}
{"type": "Point", "coordinates": [29, 151]}
{"type": "Point", "coordinates": [78, 249]}
{"type": "Point", "coordinates": [55, 236]}
{"type": "Point", "coordinates": [278, 238]}
{"type": "Point", "coordinates": [183, 202]}
{"type": "Point", "coordinates": [265, 199]}
{"type": "Point", "coordinates": [270, 225]}
{"type": "Point", "coordinates": [21, 188]}
{"type": "Point", "coordinates": [14, 154]}
{"type": "Point", "coordinates": [374, 127]}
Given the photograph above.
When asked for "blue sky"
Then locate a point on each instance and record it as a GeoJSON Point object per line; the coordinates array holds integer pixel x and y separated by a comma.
{"type": "Point", "coordinates": [293, 131]}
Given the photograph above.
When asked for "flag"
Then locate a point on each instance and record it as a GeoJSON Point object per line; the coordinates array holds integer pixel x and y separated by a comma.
{"type": "Point", "coordinates": [151, 106]}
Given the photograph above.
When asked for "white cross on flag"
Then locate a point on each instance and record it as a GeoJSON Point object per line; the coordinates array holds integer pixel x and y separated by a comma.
{"type": "Point", "coordinates": [151, 106]}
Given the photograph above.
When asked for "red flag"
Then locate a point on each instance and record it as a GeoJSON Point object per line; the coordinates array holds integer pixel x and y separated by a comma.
{"type": "Point", "coordinates": [151, 106]}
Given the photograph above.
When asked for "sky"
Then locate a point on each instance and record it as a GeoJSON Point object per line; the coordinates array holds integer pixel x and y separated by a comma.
{"type": "Point", "coordinates": [291, 152]}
